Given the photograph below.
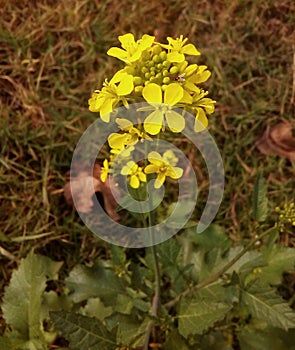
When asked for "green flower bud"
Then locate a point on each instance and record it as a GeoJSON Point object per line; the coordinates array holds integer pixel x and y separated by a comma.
{"type": "Point", "coordinates": [147, 75]}
{"type": "Point", "coordinates": [166, 64]}
{"type": "Point", "coordinates": [164, 87]}
{"type": "Point", "coordinates": [159, 66]}
{"type": "Point", "coordinates": [173, 70]}
{"type": "Point", "coordinates": [138, 89]}
{"type": "Point", "coordinates": [159, 75]}
{"type": "Point", "coordinates": [157, 49]}
{"type": "Point", "coordinates": [165, 73]}
{"type": "Point", "coordinates": [163, 55]}
{"type": "Point", "coordinates": [156, 58]}
{"type": "Point", "coordinates": [137, 80]}
{"type": "Point", "coordinates": [144, 70]}
{"type": "Point", "coordinates": [166, 80]}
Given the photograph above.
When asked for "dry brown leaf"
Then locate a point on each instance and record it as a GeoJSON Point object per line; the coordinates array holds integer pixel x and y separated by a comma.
{"type": "Point", "coordinates": [278, 140]}
{"type": "Point", "coordinates": [84, 185]}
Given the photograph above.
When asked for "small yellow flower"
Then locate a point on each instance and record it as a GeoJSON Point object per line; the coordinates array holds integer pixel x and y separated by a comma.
{"type": "Point", "coordinates": [202, 106]}
{"type": "Point", "coordinates": [134, 173]}
{"type": "Point", "coordinates": [177, 49]}
{"type": "Point", "coordinates": [130, 137]}
{"type": "Point", "coordinates": [153, 94]}
{"type": "Point", "coordinates": [112, 93]}
{"type": "Point", "coordinates": [132, 49]}
{"type": "Point", "coordinates": [163, 167]}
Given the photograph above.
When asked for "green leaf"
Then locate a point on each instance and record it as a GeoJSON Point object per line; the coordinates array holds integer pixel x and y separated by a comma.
{"type": "Point", "coordinates": [83, 333]}
{"type": "Point", "coordinates": [269, 307]}
{"type": "Point", "coordinates": [23, 297]}
{"type": "Point", "coordinates": [131, 332]}
{"type": "Point", "coordinates": [279, 259]}
{"type": "Point", "coordinates": [251, 338]}
{"type": "Point", "coordinates": [175, 342]}
{"type": "Point", "coordinates": [91, 282]}
{"type": "Point", "coordinates": [201, 311]}
{"type": "Point", "coordinates": [95, 308]}
{"type": "Point", "coordinates": [260, 201]}
{"type": "Point", "coordinates": [118, 255]}
{"type": "Point", "coordinates": [168, 252]}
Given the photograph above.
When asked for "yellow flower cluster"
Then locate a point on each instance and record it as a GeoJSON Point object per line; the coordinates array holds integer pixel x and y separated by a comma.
{"type": "Point", "coordinates": [160, 75]}
{"type": "Point", "coordinates": [286, 216]}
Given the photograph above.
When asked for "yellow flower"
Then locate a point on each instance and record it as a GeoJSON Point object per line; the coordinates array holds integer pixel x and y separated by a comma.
{"type": "Point", "coordinates": [134, 173]}
{"type": "Point", "coordinates": [132, 49]}
{"type": "Point", "coordinates": [152, 93]}
{"type": "Point", "coordinates": [132, 136]}
{"type": "Point", "coordinates": [163, 167]}
{"type": "Point", "coordinates": [105, 170]}
{"type": "Point", "coordinates": [112, 93]}
{"type": "Point", "coordinates": [177, 49]}
{"type": "Point", "coordinates": [202, 106]}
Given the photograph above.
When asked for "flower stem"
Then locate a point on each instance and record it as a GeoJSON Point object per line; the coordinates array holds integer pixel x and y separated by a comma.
{"type": "Point", "coordinates": [156, 297]}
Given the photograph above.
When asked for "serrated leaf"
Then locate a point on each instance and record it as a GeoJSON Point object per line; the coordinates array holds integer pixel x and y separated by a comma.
{"type": "Point", "coordinates": [131, 332]}
{"type": "Point", "coordinates": [201, 311]}
{"type": "Point", "coordinates": [95, 308]}
{"type": "Point", "coordinates": [269, 307]}
{"type": "Point", "coordinates": [83, 333]}
{"type": "Point", "coordinates": [169, 251]}
{"type": "Point", "coordinates": [260, 201]}
{"type": "Point", "coordinates": [91, 282]}
{"type": "Point", "coordinates": [23, 297]}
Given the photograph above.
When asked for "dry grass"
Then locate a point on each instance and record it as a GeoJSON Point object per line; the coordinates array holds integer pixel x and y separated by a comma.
{"type": "Point", "coordinates": [53, 54]}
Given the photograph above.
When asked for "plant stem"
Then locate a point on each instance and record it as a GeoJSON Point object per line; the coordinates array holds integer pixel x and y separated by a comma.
{"type": "Point", "coordinates": [156, 298]}
{"type": "Point", "coordinates": [218, 274]}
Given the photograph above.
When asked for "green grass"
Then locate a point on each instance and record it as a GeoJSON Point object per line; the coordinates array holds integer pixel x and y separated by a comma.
{"type": "Point", "coordinates": [53, 54]}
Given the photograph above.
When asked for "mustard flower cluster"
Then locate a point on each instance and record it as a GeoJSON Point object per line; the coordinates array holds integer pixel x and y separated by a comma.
{"type": "Point", "coordinates": [160, 75]}
{"type": "Point", "coordinates": [286, 216]}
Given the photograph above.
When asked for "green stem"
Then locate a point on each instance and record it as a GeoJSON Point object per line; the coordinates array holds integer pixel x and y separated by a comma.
{"type": "Point", "coordinates": [156, 298]}
{"type": "Point", "coordinates": [218, 274]}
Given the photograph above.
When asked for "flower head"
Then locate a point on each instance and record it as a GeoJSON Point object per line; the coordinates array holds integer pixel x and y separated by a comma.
{"type": "Point", "coordinates": [134, 173]}
{"type": "Point", "coordinates": [153, 94]}
{"type": "Point", "coordinates": [163, 167]}
{"type": "Point", "coordinates": [132, 49]}
{"type": "Point", "coordinates": [177, 49]}
{"type": "Point", "coordinates": [104, 171]}
{"type": "Point", "coordinates": [111, 94]}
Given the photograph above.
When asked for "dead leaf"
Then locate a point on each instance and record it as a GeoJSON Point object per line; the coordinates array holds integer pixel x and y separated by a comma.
{"type": "Point", "coordinates": [84, 185]}
{"type": "Point", "coordinates": [278, 140]}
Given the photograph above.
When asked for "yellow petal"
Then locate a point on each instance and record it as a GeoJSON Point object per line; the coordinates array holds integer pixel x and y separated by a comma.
{"type": "Point", "coordinates": [173, 94]}
{"type": "Point", "coordinates": [134, 181]}
{"type": "Point", "coordinates": [174, 172]}
{"type": "Point", "coordinates": [127, 40]}
{"type": "Point", "coordinates": [118, 53]}
{"type": "Point", "coordinates": [190, 49]}
{"type": "Point", "coordinates": [160, 180]}
{"type": "Point", "coordinates": [125, 86]}
{"type": "Point", "coordinates": [152, 93]}
{"type": "Point", "coordinates": [155, 158]}
{"type": "Point", "coordinates": [153, 122]}
{"type": "Point", "coordinates": [118, 141]}
{"type": "Point", "coordinates": [175, 121]}
{"type": "Point", "coordinates": [142, 176]}
{"type": "Point", "coordinates": [124, 124]}
{"type": "Point", "coordinates": [175, 56]}
{"type": "Point", "coordinates": [201, 121]}
{"type": "Point", "coordinates": [106, 109]}
{"type": "Point", "coordinates": [151, 168]}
